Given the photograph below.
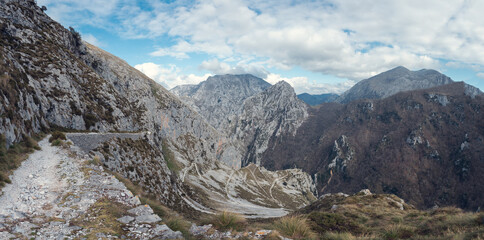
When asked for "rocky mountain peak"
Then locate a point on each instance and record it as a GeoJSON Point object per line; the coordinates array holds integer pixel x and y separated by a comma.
{"type": "Point", "coordinates": [266, 115]}
{"type": "Point", "coordinates": [393, 81]}
{"type": "Point", "coordinates": [219, 98]}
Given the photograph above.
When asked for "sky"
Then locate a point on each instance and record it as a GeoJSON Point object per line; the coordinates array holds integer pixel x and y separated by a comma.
{"type": "Point", "coordinates": [318, 46]}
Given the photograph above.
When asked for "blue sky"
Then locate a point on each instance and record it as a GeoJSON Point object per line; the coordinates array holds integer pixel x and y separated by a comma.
{"type": "Point", "coordinates": [317, 46]}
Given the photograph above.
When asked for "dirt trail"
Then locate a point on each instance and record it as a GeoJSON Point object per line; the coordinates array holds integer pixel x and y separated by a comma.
{"type": "Point", "coordinates": [53, 189]}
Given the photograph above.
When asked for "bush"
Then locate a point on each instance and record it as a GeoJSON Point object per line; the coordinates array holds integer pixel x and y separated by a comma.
{"type": "Point", "coordinates": [179, 224]}
{"type": "Point", "coordinates": [56, 142]}
{"type": "Point", "coordinates": [338, 236]}
{"type": "Point", "coordinates": [57, 135]}
{"type": "Point", "coordinates": [294, 227]}
{"type": "Point", "coordinates": [333, 222]}
{"type": "Point", "coordinates": [228, 221]}
{"type": "Point", "coordinates": [398, 232]}
{"type": "Point", "coordinates": [30, 142]}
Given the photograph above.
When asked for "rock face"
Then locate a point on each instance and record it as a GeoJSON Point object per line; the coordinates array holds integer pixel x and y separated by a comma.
{"type": "Point", "coordinates": [265, 116]}
{"type": "Point", "coordinates": [221, 97]}
{"type": "Point", "coordinates": [394, 81]}
{"type": "Point", "coordinates": [249, 110]}
{"type": "Point", "coordinates": [406, 144]}
{"type": "Point", "coordinates": [314, 100]}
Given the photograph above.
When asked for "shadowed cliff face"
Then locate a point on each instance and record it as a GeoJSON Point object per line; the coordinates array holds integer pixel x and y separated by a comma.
{"type": "Point", "coordinates": [425, 146]}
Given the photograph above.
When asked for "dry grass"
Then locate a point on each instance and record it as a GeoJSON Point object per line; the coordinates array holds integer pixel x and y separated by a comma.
{"type": "Point", "coordinates": [101, 218]}
{"type": "Point", "coordinates": [374, 217]}
{"type": "Point", "coordinates": [11, 158]}
{"type": "Point", "coordinates": [228, 221]}
{"type": "Point", "coordinates": [295, 227]}
{"type": "Point", "coordinates": [338, 236]}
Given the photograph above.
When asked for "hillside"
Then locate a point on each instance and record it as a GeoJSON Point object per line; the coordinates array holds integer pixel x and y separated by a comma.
{"type": "Point", "coordinates": [424, 146]}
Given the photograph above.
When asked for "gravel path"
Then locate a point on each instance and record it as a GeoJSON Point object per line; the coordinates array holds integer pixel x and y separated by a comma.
{"type": "Point", "coordinates": [53, 189]}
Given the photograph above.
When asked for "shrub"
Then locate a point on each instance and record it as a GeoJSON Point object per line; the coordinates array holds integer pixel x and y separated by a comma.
{"type": "Point", "coordinates": [57, 135]}
{"type": "Point", "coordinates": [177, 223]}
{"type": "Point", "coordinates": [334, 222]}
{"type": "Point", "coordinates": [294, 227]}
{"type": "Point", "coordinates": [228, 221]}
{"type": "Point", "coordinates": [398, 232]}
{"type": "Point", "coordinates": [338, 236]}
{"type": "Point", "coordinates": [30, 142]}
{"type": "Point", "coordinates": [56, 142]}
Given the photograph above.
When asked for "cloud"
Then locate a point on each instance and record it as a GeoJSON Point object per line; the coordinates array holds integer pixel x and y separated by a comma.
{"type": "Point", "coordinates": [217, 67]}
{"type": "Point", "coordinates": [170, 76]}
{"type": "Point", "coordinates": [92, 40]}
{"type": "Point", "coordinates": [352, 39]}
{"type": "Point", "coordinates": [74, 12]}
{"type": "Point", "coordinates": [480, 75]}
{"type": "Point", "coordinates": [303, 85]}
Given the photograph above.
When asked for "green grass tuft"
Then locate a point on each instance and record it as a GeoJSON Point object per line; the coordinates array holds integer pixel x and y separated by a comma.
{"type": "Point", "coordinates": [295, 227]}
{"type": "Point", "coordinates": [224, 221]}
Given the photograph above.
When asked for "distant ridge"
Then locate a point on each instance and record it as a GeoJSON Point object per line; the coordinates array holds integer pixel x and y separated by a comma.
{"type": "Point", "coordinates": [394, 81]}
{"type": "Point", "coordinates": [314, 100]}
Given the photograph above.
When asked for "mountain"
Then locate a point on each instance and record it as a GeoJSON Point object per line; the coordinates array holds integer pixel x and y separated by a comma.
{"type": "Point", "coordinates": [394, 81]}
{"type": "Point", "coordinates": [247, 109]}
{"type": "Point", "coordinates": [426, 146]}
{"type": "Point", "coordinates": [220, 97]}
{"type": "Point", "coordinates": [51, 80]}
{"type": "Point", "coordinates": [314, 100]}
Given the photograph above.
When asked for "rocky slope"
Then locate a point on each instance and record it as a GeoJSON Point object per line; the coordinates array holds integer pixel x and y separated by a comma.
{"type": "Point", "coordinates": [221, 97]}
{"type": "Point", "coordinates": [394, 81]}
{"type": "Point", "coordinates": [69, 198]}
{"type": "Point", "coordinates": [425, 146]}
{"type": "Point", "coordinates": [314, 100]}
{"type": "Point", "coordinates": [266, 116]}
{"type": "Point", "coordinates": [50, 78]}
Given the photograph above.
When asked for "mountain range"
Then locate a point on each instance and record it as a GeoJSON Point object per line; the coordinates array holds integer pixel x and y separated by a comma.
{"type": "Point", "coordinates": [236, 142]}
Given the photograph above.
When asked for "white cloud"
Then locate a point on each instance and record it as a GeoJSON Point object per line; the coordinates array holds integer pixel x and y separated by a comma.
{"type": "Point", "coordinates": [170, 76]}
{"type": "Point", "coordinates": [217, 67]}
{"type": "Point", "coordinates": [352, 39]}
{"type": "Point", "coordinates": [92, 40]}
{"type": "Point", "coordinates": [480, 75]}
{"type": "Point", "coordinates": [303, 85]}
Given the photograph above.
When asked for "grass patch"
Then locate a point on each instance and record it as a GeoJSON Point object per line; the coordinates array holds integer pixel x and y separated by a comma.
{"type": "Point", "coordinates": [295, 227]}
{"type": "Point", "coordinates": [56, 142]}
{"type": "Point", "coordinates": [169, 157]}
{"type": "Point", "coordinates": [12, 157]}
{"type": "Point", "coordinates": [101, 218]}
{"type": "Point", "coordinates": [333, 222]}
{"type": "Point", "coordinates": [224, 221]}
{"type": "Point", "coordinates": [338, 236]}
{"type": "Point", "coordinates": [374, 217]}
{"type": "Point", "coordinates": [96, 160]}
{"type": "Point", "coordinates": [178, 223]}
{"type": "Point", "coordinates": [398, 232]}
{"type": "Point", "coordinates": [57, 136]}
